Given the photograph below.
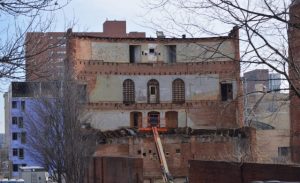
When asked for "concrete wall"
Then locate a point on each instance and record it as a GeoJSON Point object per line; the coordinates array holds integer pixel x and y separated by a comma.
{"type": "Point", "coordinates": [268, 144]}
{"type": "Point", "coordinates": [197, 87]}
{"type": "Point", "coordinates": [190, 51]}
{"type": "Point", "coordinates": [271, 108]}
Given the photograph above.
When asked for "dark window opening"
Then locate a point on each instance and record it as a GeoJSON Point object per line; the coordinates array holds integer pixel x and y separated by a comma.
{"type": "Point", "coordinates": [177, 150]}
{"type": "Point", "coordinates": [23, 105]}
{"type": "Point", "coordinates": [23, 137]}
{"type": "Point", "coordinates": [15, 152]}
{"type": "Point", "coordinates": [128, 91]}
{"type": "Point", "coordinates": [134, 53]}
{"type": "Point", "coordinates": [171, 53]}
{"type": "Point", "coordinates": [15, 167]}
{"type": "Point", "coordinates": [139, 152]}
{"type": "Point", "coordinates": [14, 104]}
{"type": "Point", "coordinates": [14, 120]}
{"type": "Point", "coordinates": [283, 151]}
{"type": "Point", "coordinates": [151, 50]}
{"type": "Point", "coordinates": [153, 91]}
{"type": "Point", "coordinates": [14, 136]}
{"type": "Point", "coordinates": [178, 91]}
{"type": "Point", "coordinates": [21, 153]}
{"type": "Point", "coordinates": [20, 122]}
{"type": "Point", "coordinates": [226, 91]}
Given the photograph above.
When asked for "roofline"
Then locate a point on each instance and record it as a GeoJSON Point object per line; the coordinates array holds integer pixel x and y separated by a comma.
{"type": "Point", "coordinates": [83, 36]}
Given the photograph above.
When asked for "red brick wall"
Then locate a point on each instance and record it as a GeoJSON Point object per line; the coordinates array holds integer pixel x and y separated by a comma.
{"type": "Point", "coordinates": [294, 46]}
{"type": "Point", "coordinates": [226, 172]}
{"type": "Point", "coordinates": [117, 169]}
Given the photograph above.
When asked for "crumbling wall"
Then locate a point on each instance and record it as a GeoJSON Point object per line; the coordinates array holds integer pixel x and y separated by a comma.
{"type": "Point", "coordinates": [229, 145]}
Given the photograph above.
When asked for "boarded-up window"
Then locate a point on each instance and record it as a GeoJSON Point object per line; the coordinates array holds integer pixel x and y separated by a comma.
{"type": "Point", "coordinates": [136, 119]}
{"type": "Point", "coordinates": [226, 91]}
{"type": "Point", "coordinates": [128, 91]}
{"type": "Point", "coordinates": [153, 91]}
{"type": "Point", "coordinates": [172, 119]}
{"type": "Point", "coordinates": [178, 91]}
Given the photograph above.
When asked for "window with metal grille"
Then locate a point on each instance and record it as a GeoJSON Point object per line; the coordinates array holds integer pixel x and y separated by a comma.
{"type": "Point", "coordinates": [178, 91]}
{"type": "Point", "coordinates": [128, 91]}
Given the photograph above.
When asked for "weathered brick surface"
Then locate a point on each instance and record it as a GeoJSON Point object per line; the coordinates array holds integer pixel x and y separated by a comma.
{"type": "Point", "coordinates": [294, 56]}
{"type": "Point", "coordinates": [117, 170]}
{"type": "Point", "coordinates": [181, 148]}
{"type": "Point", "coordinates": [226, 172]}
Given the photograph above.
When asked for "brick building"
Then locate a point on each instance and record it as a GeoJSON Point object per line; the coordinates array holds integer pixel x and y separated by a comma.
{"type": "Point", "coordinates": [183, 82]}
{"type": "Point", "coordinates": [189, 86]}
{"type": "Point", "coordinates": [294, 59]}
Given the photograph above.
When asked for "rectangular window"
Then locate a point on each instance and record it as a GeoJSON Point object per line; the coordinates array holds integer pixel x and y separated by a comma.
{"type": "Point", "coordinates": [152, 90]}
{"type": "Point", "coordinates": [20, 122]}
{"type": "Point", "coordinates": [226, 91]}
{"type": "Point", "coordinates": [14, 104]}
{"type": "Point", "coordinates": [14, 120]}
{"type": "Point", "coordinates": [14, 136]}
{"type": "Point", "coordinates": [23, 137]}
{"type": "Point", "coordinates": [283, 151]}
{"type": "Point", "coordinates": [151, 51]}
{"type": "Point", "coordinates": [15, 167]}
{"type": "Point", "coordinates": [15, 152]}
{"type": "Point", "coordinates": [21, 153]}
{"type": "Point", "coordinates": [171, 53]}
{"type": "Point", "coordinates": [134, 53]}
{"type": "Point", "coordinates": [23, 105]}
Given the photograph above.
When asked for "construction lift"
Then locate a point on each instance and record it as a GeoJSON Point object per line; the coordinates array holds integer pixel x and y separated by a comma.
{"type": "Point", "coordinates": [153, 125]}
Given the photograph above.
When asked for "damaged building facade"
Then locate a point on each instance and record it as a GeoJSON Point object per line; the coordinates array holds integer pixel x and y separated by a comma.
{"type": "Point", "coordinates": [181, 82]}
{"type": "Point", "coordinates": [188, 87]}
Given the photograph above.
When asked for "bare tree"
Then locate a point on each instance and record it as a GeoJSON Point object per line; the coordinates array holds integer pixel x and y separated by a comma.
{"type": "Point", "coordinates": [54, 134]}
{"type": "Point", "coordinates": [265, 28]}
{"type": "Point", "coordinates": [17, 18]}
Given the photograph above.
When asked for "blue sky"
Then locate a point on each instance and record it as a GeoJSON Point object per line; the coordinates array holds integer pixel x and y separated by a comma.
{"type": "Point", "coordinates": [89, 16]}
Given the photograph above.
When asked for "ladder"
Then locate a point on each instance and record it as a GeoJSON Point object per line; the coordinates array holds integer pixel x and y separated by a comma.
{"type": "Point", "coordinates": [167, 177]}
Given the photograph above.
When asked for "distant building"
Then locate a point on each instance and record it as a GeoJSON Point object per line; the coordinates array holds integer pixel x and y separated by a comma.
{"type": "Point", "coordinates": [2, 140]}
{"type": "Point", "coordinates": [261, 80]}
{"type": "Point", "coordinates": [274, 82]}
{"type": "Point", "coordinates": [20, 100]}
{"type": "Point", "coordinates": [254, 78]}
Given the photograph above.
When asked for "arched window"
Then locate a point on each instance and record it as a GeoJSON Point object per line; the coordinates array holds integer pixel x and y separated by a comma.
{"type": "Point", "coordinates": [178, 91]}
{"type": "Point", "coordinates": [153, 91]}
{"type": "Point", "coordinates": [128, 91]}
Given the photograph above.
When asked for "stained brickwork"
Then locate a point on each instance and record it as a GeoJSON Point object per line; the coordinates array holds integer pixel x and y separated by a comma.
{"type": "Point", "coordinates": [294, 56]}
{"type": "Point", "coordinates": [228, 172]}
{"type": "Point", "coordinates": [103, 64]}
{"type": "Point", "coordinates": [211, 145]}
